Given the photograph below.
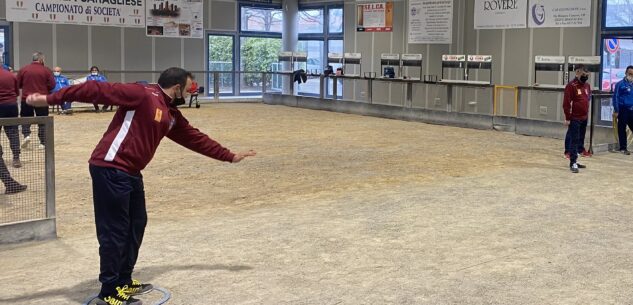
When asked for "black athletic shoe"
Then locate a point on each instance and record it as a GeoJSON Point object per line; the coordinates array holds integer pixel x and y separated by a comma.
{"type": "Point", "coordinates": [118, 298]}
{"type": "Point", "coordinates": [136, 288]}
{"type": "Point", "coordinates": [15, 188]}
{"type": "Point", "coordinates": [581, 166]}
{"type": "Point", "coordinates": [574, 168]}
{"type": "Point", "coordinates": [625, 152]}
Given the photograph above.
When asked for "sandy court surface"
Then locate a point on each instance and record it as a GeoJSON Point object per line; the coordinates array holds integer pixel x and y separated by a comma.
{"type": "Point", "coordinates": [345, 209]}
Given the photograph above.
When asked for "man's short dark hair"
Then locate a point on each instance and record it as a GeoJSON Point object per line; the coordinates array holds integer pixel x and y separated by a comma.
{"type": "Point", "coordinates": [94, 68]}
{"type": "Point", "coordinates": [581, 68]}
{"type": "Point", "coordinates": [627, 69]}
{"type": "Point", "coordinates": [174, 76]}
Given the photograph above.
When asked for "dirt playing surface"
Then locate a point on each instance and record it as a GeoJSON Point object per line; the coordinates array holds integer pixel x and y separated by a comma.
{"type": "Point", "coordinates": [345, 209]}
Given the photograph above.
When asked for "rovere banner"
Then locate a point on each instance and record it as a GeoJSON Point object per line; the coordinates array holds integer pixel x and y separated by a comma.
{"type": "Point", "coordinates": [501, 14]}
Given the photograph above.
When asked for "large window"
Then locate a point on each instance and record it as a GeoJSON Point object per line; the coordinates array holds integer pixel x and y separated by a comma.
{"type": "Point", "coordinates": [618, 13]}
{"type": "Point", "coordinates": [256, 54]}
{"type": "Point", "coordinates": [614, 64]}
{"type": "Point", "coordinates": [5, 46]}
{"type": "Point", "coordinates": [336, 20]}
{"type": "Point", "coordinates": [315, 51]}
{"type": "Point", "coordinates": [320, 31]}
{"type": "Point", "coordinates": [261, 19]}
{"type": "Point", "coordinates": [254, 48]}
{"type": "Point", "coordinates": [310, 21]}
{"type": "Point", "coordinates": [335, 46]}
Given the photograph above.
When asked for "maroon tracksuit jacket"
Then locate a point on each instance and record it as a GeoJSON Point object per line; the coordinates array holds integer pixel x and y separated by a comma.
{"type": "Point", "coordinates": [9, 90]}
{"type": "Point", "coordinates": [35, 78]}
{"type": "Point", "coordinates": [144, 117]}
{"type": "Point", "coordinates": [576, 100]}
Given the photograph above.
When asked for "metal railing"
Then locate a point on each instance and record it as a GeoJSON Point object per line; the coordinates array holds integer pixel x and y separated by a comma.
{"type": "Point", "coordinates": [29, 214]}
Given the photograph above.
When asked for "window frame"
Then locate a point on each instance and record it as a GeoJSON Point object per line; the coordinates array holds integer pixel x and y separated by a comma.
{"type": "Point", "coordinates": [260, 6]}
{"type": "Point", "coordinates": [325, 36]}
{"type": "Point", "coordinates": [8, 44]}
{"type": "Point", "coordinates": [208, 77]}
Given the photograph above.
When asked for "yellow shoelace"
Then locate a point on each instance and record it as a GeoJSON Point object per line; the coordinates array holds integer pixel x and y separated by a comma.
{"type": "Point", "coordinates": [121, 293]}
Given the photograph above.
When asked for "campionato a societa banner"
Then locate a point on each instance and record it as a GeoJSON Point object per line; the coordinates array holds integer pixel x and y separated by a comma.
{"type": "Point", "coordinates": [120, 13]}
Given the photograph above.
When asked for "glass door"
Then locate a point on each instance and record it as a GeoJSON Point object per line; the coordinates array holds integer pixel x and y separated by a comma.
{"type": "Point", "coordinates": [222, 58]}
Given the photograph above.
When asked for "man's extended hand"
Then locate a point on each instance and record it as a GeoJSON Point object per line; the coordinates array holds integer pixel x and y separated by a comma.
{"type": "Point", "coordinates": [240, 156]}
{"type": "Point", "coordinates": [566, 123]}
{"type": "Point", "coordinates": [37, 100]}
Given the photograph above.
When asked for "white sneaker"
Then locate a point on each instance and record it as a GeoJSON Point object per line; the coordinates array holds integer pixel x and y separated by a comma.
{"type": "Point", "coordinates": [27, 142]}
{"type": "Point", "coordinates": [41, 147]}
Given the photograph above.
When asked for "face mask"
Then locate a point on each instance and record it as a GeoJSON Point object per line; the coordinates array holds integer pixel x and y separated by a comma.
{"type": "Point", "coordinates": [629, 78]}
{"type": "Point", "coordinates": [94, 73]}
{"type": "Point", "coordinates": [57, 73]}
{"type": "Point", "coordinates": [177, 101]}
{"type": "Point", "coordinates": [584, 78]}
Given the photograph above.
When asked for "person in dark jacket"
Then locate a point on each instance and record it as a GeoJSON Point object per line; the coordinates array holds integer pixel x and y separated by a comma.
{"type": "Point", "coordinates": [9, 109]}
{"type": "Point", "coordinates": [576, 109]}
{"type": "Point", "coordinates": [34, 78]}
{"type": "Point", "coordinates": [61, 82]}
{"type": "Point", "coordinates": [146, 114]}
{"type": "Point", "coordinates": [95, 75]}
{"type": "Point", "coordinates": [623, 108]}
{"type": "Point", "coordinates": [9, 93]}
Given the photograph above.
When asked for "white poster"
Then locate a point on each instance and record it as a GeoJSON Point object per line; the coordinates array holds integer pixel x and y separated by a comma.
{"type": "Point", "coordinates": [559, 13]}
{"type": "Point", "coordinates": [501, 14]}
{"type": "Point", "coordinates": [431, 21]}
{"type": "Point", "coordinates": [120, 13]}
{"type": "Point", "coordinates": [175, 18]}
{"type": "Point", "coordinates": [374, 17]}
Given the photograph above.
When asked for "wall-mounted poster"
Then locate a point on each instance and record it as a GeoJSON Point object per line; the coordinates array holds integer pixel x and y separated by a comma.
{"type": "Point", "coordinates": [559, 13]}
{"type": "Point", "coordinates": [374, 17]}
{"type": "Point", "coordinates": [498, 14]}
{"type": "Point", "coordinates": [128, 13]}
{"type": "Point", "coordinates": [175, 18]}
{"type": "Point", "coordinates": [430, 21]}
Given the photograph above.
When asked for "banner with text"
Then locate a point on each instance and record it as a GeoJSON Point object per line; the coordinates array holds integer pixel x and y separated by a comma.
{"type": "Point", "coordinates": [121, 13]}
{"type": "Point", "coordinates": [501, 14]}
{"type": "Point", "coordinates": [374, 17]}
{"type": "Point", "coordinates": [559, 13]}
{"type": "Point", "coordinates": [175, 18]}
{"type": "Point", "coordinates": [431, 21]}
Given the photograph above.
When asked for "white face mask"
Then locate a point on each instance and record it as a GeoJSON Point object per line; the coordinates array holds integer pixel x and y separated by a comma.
{"type": "Point", "coordinates": [94, 73]}
{"type": "Point", "coordinates": [629, 78]}
{"type": "Point", "coordinates": [57, 73]}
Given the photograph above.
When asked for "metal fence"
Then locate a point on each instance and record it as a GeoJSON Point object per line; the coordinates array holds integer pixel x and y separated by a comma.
{"type": "Point", "coordinates": [30, 213]}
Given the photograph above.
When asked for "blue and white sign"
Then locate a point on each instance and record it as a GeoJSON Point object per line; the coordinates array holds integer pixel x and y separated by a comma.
{"type": "Point", "coordinates": [559, 13]}
{"type": "Point", "coordinates": [612, 45]}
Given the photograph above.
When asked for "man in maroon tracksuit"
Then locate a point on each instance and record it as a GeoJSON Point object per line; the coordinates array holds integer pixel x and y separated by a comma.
{"type": "Point", "coordinates": [145, 115]}
{"type": "Point", "coordinates": [35, 78]}
{"type": "Point", "coordinates": [9, 109]}
{"type": "Point", "coordinates": [576, 109]}
{"type": "Point", "coordinates": [9, 93]}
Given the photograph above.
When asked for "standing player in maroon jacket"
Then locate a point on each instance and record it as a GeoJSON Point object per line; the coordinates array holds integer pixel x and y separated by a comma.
{"type": "Point", "coordinates": [9, 109]}
{"type": "Point", "coordinates": [35, 78]}
{"type": "Point", "coordinates": [576, 109]}
{"type": "Point", "coordinates": [145, 115]}
{"type": "Point", "coordinates": [9, 93]}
